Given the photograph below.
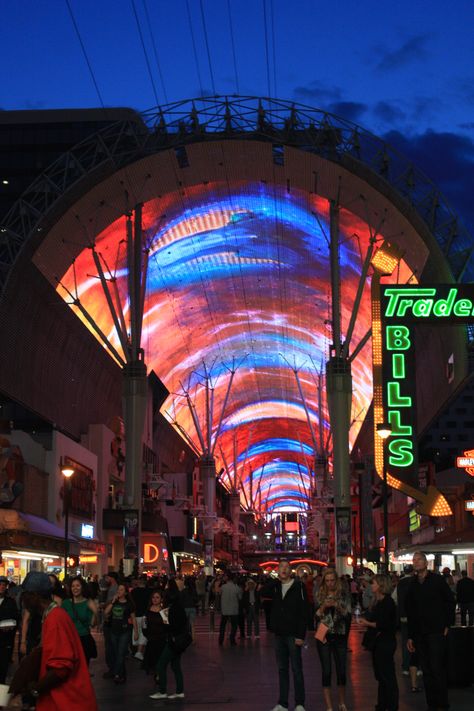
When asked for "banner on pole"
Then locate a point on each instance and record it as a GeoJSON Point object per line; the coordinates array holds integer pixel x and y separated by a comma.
{"type": "Point", "coordinates": [343, 531]}
{"type": "Point", "coordinates": [130, 533]}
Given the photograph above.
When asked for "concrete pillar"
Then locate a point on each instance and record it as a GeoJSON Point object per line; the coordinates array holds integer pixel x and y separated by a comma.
{"type": "Point", "coordinates": [339, 395]}
{"type": "Point", "coordinates": [134, 408]}
{"type": "Point", "coordinates": [235, 516]}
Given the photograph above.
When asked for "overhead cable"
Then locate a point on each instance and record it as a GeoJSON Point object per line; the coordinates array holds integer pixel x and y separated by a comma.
{"type": "Point", "coordinates": [236, 75]}
{"type": "Point", "coordinates": [193, 41]}
{"type": "Point", "coordinates": [155, 52]}
{"type": "Point", "coordinates": [207, 48]}
{"type": "Point", "coordinates": [150, 74]}
{"type": "Point", "coordinates": [89, 65]}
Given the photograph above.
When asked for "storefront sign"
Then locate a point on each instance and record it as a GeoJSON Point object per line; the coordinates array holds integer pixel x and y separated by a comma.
{"type": "Point", "coordinates": [402, 307]}
{"type": "Point", "coordinates": [469, 505]}
{"type": "Point", "coordinates": [466, 462]}
{"type": "Point", "coordinates": [87, 530]}
{"type": "Point", "coordinates": [151, 553]}
{"type": "Point", "coordinates": [414, 521]}
{"type": "Point", "coordinates": [88, 559]}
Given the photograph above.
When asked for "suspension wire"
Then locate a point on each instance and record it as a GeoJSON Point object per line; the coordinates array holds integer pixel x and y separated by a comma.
{"type": "Point", "coordinates": [207, 48]}
{"type": "Point", "coordinates": [193, 40]}
{"type": "Point", "coordinates": [89, 65]}
{"type": "Point", "coordinates": [233, 47]}
{"type": "Point", "coordinates": [272, 22]}
{"type": "Point", "coordinates": [140, 33]}
{"type": "Point", "coordinates": [269, 88]}
{"type": "Point", "coordinates": [155, 51]}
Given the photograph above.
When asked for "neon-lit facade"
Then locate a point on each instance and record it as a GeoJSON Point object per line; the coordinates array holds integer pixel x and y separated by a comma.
{"type": "Point", "coordinates": [241, 271]}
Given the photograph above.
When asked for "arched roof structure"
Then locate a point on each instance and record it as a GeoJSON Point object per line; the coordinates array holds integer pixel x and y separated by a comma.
{"type": "Point", "coordinates": [236, 196]}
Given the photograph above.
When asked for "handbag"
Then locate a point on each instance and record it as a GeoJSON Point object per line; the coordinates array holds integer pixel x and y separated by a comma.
{"type": "Point", "coordinates": [321, 632]}
{"type": "Point", "coordinates": [89, 646]}
{"type": "Point", "coordinates": [180, 642]}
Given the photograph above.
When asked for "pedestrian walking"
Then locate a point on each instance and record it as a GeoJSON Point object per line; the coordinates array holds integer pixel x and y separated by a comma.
{"type": "Point", "coordinates": [9, 616]}
{"type": "Point", "coordinates": [140, 596]}
{"type": "Point", "coordinates": [230, 596]}
{"type": "Point", "coordinates": [177, 640]}
{"type": "Point", "coordinates": [83, 612]}
{"type": "Point", "coordinates": [383, 622]}
{"type": "Point", "coordinates": [64, 679]}
{"type": "Point", "coordinates": [155, 631]}
{"type": "Point", "coordinates": [251, 607]}
{"type": "Point", "coordinates": [120, 612]}
{"type": "Point", "coordinates": [333, 605]}
{"type": "Point", "coordinates": [288, 621]}
{"type": "Point", "coordinates": [465, 598]}
{"type": "Point", "coordinates": [430, 610]}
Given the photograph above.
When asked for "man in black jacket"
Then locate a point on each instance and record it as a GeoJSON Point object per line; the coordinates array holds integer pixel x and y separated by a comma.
{"type": "Point", "coordinates": [288, 620]}
{"type": "Point", "coordinates": [430, 609]}
{"type": "Point", "coordinates": [465, 598]}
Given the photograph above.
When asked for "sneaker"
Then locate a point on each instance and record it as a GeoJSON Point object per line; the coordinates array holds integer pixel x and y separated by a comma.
{"type": "Point", "coordinates": [139, 655]}
{"type": "Point", "coordinates": [158, 695]}
{"type": "Point", "coordinates": [176, 696]}
{"type": "Point", "coordinates": [419, 672]}
{"type": "Point", "coordinates": [405, 672]}
{"type": "Point", "coordinates": [299, 708]}
{"type": "Point", "coordinates": [279, 707]}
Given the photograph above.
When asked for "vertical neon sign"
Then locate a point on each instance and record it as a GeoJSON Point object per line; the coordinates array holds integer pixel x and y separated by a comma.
{"type": "Point", "coordinates": [402, 308]}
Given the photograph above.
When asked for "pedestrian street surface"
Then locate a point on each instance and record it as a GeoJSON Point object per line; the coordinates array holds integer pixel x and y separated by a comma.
{"type": "Point", "coordinates": [244, 678]}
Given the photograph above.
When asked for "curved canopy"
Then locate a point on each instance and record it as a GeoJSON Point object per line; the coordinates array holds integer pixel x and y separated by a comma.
{"type": "Point", "coordinates": [239, 280]}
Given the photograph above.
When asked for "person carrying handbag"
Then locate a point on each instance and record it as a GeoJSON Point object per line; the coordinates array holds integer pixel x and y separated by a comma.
{"type": "Point", "coordinates": [333, 605]}
{"type": "Point", "coordinates": [83, 612]}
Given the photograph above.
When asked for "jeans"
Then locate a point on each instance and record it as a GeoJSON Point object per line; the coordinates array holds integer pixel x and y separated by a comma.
{"type": "Point", "coordinates": [432, 652]}
{"type": "Point", "coordinates": [288, 652]}
{"type": "Point", "coordinates": [233, 619]}
{"type": "Point", "coordinates": [253, 620]}
{"type": "Point", "coordinates": [336, 646]}
{"type": "Point", "coordinates": [119, 642]}
{"type": "Point", "coordinates": [384, 670]}
{"type": "Point", "coordinates": [467, 609]}
{"type": "Point", "coordinates": [109, 656]}
{"type": "Point", "coordinates": [167, 656]}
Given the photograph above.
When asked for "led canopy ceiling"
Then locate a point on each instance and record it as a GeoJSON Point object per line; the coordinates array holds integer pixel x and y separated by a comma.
{"type": "Point", "coordinates": [239, 279]}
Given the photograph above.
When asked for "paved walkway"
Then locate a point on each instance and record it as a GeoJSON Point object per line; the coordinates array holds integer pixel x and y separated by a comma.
{"type": "Point", "coordinates": [244, 677]}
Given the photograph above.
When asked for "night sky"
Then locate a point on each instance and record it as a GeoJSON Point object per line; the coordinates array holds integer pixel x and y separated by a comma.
{"type": "Point", "coordinates": [403, 70]}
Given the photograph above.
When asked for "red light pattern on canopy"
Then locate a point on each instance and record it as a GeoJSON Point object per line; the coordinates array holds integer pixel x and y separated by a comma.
{"type": "Point", "coordinates": [241, 271]}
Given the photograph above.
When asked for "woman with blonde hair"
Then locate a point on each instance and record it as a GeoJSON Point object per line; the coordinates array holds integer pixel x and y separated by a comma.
{"type": "Point", "coordinates": [333, 605]}
{"type": "Point", "coordinates": [383, 620]}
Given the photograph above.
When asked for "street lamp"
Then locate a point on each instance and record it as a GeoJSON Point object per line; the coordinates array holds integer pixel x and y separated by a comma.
{"type": "Point", "coordinates": [384, 430]}
{"type": "Point", "coordinates": [67, 471]}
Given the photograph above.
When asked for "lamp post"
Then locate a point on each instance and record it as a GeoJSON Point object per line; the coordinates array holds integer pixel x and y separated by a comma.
{"type": "Point", "coordinates": [384, 430]}
{"type": "Point", "coordinates": [67, 471]}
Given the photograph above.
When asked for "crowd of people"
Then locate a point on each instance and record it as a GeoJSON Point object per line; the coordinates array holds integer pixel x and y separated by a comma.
{"type": "Point", "coordinates": [153, 620]}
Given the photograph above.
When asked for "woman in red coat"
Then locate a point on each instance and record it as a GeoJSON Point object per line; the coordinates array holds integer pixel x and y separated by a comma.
{"type": "Point", "coordinates": [64, 680]}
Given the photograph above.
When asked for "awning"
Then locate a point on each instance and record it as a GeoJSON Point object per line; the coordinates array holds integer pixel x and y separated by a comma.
{"type": "Point", "coordinates": [44, 527]}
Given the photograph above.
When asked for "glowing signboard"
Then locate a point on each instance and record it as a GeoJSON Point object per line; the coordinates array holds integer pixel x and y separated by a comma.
{"type": "Point", "coordinates": [403, 307]}
{"type": "Point", "coordinates": [469, 505]}
{"type": "Point", "coordinates": [466, 462]}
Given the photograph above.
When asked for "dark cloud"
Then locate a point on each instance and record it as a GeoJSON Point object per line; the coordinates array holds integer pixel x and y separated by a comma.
{"type": "Point", "coordinates": [413, 49]}
{"type": "Point", "coordinates": [315, 91]}
{"type": "Point", "coordinates": [448, 160]}
{"type": "Point", "coordinates": [389, 112]}
{"type": "Point", "coordinates": [350, 110]}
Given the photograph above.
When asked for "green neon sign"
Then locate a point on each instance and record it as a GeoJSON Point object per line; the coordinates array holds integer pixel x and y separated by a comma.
{"type": "Point", "coordinates": [449, 303]}
{"type": "Point", "coordinates": [402, 307]}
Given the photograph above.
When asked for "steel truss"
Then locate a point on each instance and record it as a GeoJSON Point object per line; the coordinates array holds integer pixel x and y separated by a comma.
{"type": "Point", "coordinates": [282, 123]}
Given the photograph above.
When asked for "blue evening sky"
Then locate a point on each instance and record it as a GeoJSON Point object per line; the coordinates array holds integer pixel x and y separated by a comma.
{"type": "Point", "coordinates": [403, 70]}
